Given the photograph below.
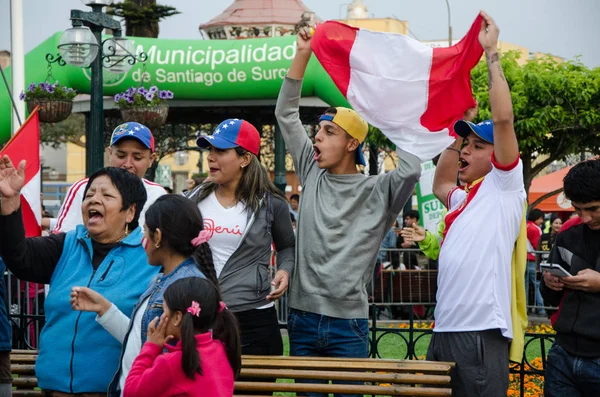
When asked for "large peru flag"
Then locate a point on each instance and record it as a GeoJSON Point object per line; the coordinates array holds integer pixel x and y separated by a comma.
{"type": "Point", "coordinates": [25, 145]}
{"type": "Point", "coordinates": [413, 93]}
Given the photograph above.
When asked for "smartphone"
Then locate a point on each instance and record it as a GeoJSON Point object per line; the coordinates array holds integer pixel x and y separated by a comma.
{"type": "Point", "coordinates": [555, 269]}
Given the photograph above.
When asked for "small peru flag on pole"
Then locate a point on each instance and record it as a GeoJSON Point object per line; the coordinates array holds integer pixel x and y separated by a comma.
{"type": "Point", "coordinates": [413, 93]}
{"type": "Point", "coordinates": [25, 145]}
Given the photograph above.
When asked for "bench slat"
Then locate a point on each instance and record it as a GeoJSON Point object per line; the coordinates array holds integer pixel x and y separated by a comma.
{"type": "Point", "coordinates": [374, 365]}
{"type": "Point", "coordinates": [22, 369]}
{"type": "Point", "coordinates": [22, 359]}
{"type": "Point", "coordinates": [350, 389]}
{"type": "Point", "coordinates": [27, 393]}
{"type": "Point", "coordinates": [21, 351]}
{"type": "Point", "coordinates": [346, 376]}
{"type": "Point", "coordinates": [25, 382]}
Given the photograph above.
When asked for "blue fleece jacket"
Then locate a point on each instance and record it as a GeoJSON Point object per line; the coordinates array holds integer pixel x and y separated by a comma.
{"type": "Point", "coordinates": [76, 354]}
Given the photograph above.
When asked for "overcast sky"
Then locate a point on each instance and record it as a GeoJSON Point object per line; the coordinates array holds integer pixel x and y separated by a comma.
{"type": "Point", "coordinates": [560, 27]}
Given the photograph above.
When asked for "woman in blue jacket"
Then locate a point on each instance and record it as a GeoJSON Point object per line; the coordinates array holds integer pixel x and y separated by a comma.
{"type": "Point", "coordinates": [105, 253]}
{"type": "Point", "coordinates": [175, 239]}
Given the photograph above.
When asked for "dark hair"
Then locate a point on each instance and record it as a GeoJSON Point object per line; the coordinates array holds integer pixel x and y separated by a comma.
{"type": "Point", "coordinates": [180, 221]}
{"type": "Point", "coordinates": [253, 186]}
{"type": "Point", "coordinates": [582, 182]}
{"type": "Point", "coordinates": [130, 187]}
{"type": "Point", "coordinates": [198, 179]}
{"type": "Point", "coordinates": [554, 217]}
{"type": "Point", "coordinates": [412, 214]}
{"type": "Point", "coordinates": [179, 297]}
{"type": "Point", "coordinates": [535, 214]}
{"type": "Point", "coordinates": [295, 197]}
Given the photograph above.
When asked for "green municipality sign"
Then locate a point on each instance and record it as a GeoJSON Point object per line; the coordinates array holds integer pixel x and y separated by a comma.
{"type": "Point", "coordinates": [191, 69]}
{"type": "Point", "coordinates": [430, 208]}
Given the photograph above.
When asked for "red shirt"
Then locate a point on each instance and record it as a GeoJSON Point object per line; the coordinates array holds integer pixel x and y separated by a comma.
{"type": "Point", "coordinates": [533, 235]}
{"type": "Point", "coordinates": [157, 374]}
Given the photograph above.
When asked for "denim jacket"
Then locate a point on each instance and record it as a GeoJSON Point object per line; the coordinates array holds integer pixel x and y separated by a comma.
{"type": "Point", "coordinates": [154, 293]}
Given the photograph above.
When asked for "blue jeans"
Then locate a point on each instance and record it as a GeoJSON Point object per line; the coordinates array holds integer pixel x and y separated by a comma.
{"type": "Point", "coordinates": [531, 277]}
{"type": "Point", "coordinates": [569, 375]}
{"type": "Point", "coordinates": [318, 335]}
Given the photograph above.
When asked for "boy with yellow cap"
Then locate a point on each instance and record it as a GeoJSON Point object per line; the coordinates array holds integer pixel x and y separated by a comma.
{"type": "Point", "coordinates": [343, 216]}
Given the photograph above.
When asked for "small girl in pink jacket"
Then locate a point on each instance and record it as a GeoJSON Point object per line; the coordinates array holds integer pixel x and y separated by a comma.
{"type": "Point", "coordinates": [207, 356]}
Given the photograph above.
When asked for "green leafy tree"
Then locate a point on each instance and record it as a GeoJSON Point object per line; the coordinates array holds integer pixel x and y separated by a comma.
{"type": "Point", "coordinates": [142, 16]}
{"type": "Point", "coordinates": [70, 130]}
{"type": "Point", "coordinates": [556, 108]}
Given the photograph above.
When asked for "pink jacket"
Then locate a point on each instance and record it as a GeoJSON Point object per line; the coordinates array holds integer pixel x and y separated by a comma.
{"type": "Point", "coordinates": [157, 374]}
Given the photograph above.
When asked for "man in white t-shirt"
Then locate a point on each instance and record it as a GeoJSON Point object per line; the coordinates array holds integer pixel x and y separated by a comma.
{"type": "Point", "coordinates": [132, 148]}
{"type": "Point", "coordinates": [473, 324]}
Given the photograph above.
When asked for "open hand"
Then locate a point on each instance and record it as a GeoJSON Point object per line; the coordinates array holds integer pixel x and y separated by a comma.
{"type": "Point", "coordinates": [88, 300]}
{"type": "Point", "coordinates": [157, 335]}
{"type": "Point", "coordinates": [11, 182]}
{"type": "Point", "coordinates": [11, 179]}
{"type": "Point", "coordinates": [280, 283]}
{"type": "Point", "coordinates": [414, 234]}
{"type": "Point", "coordinates": [586, 280]}
{"type": "Point", "coordinates": [488, 36]}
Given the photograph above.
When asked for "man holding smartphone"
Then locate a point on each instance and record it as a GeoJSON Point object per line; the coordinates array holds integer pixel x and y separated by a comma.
{"type": "Point", "coordinates": [573, 364]}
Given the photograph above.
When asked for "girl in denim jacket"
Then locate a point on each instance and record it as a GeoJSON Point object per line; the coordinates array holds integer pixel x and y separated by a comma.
{"type": "Point", "coordinates": [174, 238]}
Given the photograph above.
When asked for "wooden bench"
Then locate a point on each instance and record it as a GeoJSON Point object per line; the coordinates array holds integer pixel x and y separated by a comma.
{"type": "Point", "coordinates": [380, 377]}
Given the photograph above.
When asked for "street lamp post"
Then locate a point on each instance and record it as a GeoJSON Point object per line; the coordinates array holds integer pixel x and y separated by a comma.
{"type": "Point", "coordinates": [82, 46]}
{"type": "Point", "coordinates": [449, 25]}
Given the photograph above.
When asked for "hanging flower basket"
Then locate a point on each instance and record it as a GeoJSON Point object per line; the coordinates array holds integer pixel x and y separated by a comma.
{"type": "Point", "coordinates": [151, 116]}
{"type": "Point", "coordinates": [55, 101]}
{"type": "Point", "coordinates": [51, 110]}
{"type": "Point", "coordinates": [145, 106]}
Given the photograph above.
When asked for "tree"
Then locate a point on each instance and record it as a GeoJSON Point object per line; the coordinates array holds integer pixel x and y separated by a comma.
{"type": "Point", "coordinates": [142, 16]}
{"type": "Point", "coordinates": [556, 109]}
{"type": "Point", "coordinates": [70, 130]}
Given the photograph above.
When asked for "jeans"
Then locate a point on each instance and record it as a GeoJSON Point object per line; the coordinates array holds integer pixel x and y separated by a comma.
{"type": "Point", "coordinates": [531, 277]}
{"type": "Point", "coordinates": [569, 375]}
{"type": "Point", "coordinates": [318, 335]}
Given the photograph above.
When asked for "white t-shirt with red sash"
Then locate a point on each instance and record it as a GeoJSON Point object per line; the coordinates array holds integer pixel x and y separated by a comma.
{"type": "Point", "coordinates": [482, 225]}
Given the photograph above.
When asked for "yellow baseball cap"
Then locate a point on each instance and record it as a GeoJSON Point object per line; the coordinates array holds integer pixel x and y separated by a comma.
{"type": "Point", "coordinates": [353, 124]}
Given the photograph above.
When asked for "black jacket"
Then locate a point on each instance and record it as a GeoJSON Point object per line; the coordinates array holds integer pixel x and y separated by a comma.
{"type": "Point", "coordinates": [578, 323]}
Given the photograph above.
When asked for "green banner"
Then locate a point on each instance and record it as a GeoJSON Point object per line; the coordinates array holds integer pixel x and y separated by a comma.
{"type": "Point", "coordinates": [191, 69]}
{"type": "Point", "coordinates": [430, 208]}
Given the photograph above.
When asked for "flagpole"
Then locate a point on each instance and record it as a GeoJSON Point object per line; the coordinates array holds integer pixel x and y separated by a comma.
{"type": "Point", "coordinates": [18, 61]}
{"type": "Point", "coordinates": [12, 99]}
{"type": "Point", "coordinates": [449, 25]}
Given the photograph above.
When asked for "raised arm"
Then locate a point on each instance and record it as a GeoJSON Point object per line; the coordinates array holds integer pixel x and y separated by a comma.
{"type": "Point", "coordinates": [446, 171]}
{"type": "Point", "coordinates": [287, 110]}
{"type": "Point", "coordinates": [506, 148]}
{"type": "Point", "coordinates": [303, 54]}
{"type": "Point", "coordinates": [30, 259]}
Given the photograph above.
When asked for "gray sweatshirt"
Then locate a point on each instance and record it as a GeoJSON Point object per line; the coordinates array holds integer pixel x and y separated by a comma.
{"type": "Point", "coordinates": [342, 220]}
